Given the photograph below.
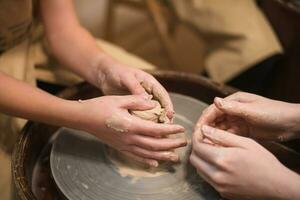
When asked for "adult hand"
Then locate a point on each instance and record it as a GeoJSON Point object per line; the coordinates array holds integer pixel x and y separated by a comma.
{"type": "Point", "coordinates": [253, 116]}
{"type": "Point", "coordinates": [116, 78]}
{"type": "Point", "coordinates": [239, 168]}
{"type": "Point", "coordinates": [108, 119]}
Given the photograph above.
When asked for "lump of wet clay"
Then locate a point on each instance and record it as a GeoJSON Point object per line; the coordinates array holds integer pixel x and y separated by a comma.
{"type": "Point", "coordinates": [157, 114]}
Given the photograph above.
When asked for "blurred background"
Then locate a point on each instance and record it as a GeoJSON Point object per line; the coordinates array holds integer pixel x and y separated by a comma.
{"type": "Point", "coordinates": [250, 45]}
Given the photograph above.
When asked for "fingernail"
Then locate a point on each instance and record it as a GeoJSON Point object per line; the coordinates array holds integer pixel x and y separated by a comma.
{"type": "Point", "coordinates": [182, 129]}
{"type": "Point", "coordinates": [207, 129]}
{"type": "Point", "coordinates": [153, 163]}
{"type": "Point", "coordinates": [198, 126]}
{"type": "Point", "coordinates": [220, 102]}
{"type": "Point", "coordinates": [207, 141]}
{"type": "Point", "coordinates": [184, 142]}
{"type": "Point", "coordinates": [174, 158]}
{"type": "Point", "coordinates": [171, 114]}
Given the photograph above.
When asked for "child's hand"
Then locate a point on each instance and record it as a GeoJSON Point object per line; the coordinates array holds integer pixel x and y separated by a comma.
{"type": "Point", "coordinates": [116, 78]}
{"type": "Point", "coordinates": [108, 118]}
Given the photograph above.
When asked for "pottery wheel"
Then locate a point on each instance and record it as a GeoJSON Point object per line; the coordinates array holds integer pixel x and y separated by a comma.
{"type": "Point", "coordinates": [82, 169]}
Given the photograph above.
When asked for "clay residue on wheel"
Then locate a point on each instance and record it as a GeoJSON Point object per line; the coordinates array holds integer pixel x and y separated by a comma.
{"type": "Point", "coordinates": [128, 167]}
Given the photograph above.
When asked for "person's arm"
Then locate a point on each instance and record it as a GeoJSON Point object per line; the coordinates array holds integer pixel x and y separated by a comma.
{"type": "Point", "coordinates": [239, 168]}
{"type": "Point", "coordinates": [70, 43]}
{"type": "Point", "coordinates": [76, 49]}
{"type": "Point", "coordinates": [103, 117]}
{"type": "Point", "coordinates": [22, 100]}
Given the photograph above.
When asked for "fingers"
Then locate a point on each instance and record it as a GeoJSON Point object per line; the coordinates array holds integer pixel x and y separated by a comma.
{"type": "Point", "coordinates": [133, 85]}
{"type": "Point", "coordinates": [153, 87]}
{"type": "Point", "coordinates": [204, 169]}
{"type": "Point", "coordinates": [162, 95]}
{"type": "Point", "coordinates": [148, 128]}
{"type": "Point", "coordinates": [154, 148]}
{"type": "Point", "coordinates": [158, 144]}
{"type": "Point", "coordinates": [242, 97]}
{"type": "Point", "coordinates": [206, 151]}
{"type": "Point", "coordinates": [136, 102]}
{"type": "Point", "coordinates": [223, 138]}
{"type": "Point", "coordinates": [155, 155]}
{"type": "Point", "coordinates": [150, 162]}
{"type": "Point", "coordinates": [233, 107]}
{"type": "Point", "coordinates": [209, 116]}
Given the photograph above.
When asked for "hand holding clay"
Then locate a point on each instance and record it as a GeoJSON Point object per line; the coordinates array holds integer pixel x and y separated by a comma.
{"type": "Point", "coordinates": [116, 79]}
{"type": "Point", "coordinates": [253, 116]}
{"type": "Point", "coordinates": [239, 168]}
{"type": "Point", "coordinates": [109, 119]}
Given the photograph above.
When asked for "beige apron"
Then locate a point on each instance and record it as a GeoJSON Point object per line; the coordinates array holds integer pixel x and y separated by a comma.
{"type": "Point", "coordinates": [236, 34]}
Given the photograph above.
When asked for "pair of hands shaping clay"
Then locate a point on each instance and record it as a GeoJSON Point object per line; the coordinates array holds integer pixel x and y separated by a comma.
{"type": "Point", "coordinates": [129, 167]}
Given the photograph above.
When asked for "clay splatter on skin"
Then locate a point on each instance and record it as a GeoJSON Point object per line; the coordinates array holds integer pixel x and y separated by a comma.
{"type": "Point", "coordinates": [116, 123]}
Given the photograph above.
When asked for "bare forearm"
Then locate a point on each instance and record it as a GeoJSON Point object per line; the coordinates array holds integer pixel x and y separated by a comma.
{"type": "Point", "coordinates": [288, 187]}
{"type": "Point", "coordinates": [22, 100]}
{"type": "Point", "coordinates": [292, 111]}
{"type": "Point", "coordinates": [70, 43]}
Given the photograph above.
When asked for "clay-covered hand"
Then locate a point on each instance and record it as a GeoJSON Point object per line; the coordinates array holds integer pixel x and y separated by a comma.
{"type": "Point", "coordinates": [253, 116]}
{"type": "Point", "coordinates": [239, 168]}
{"type": "Point", "coordinates": [116, 78]}
{"type": "Point", "coordinates": [108, 118]}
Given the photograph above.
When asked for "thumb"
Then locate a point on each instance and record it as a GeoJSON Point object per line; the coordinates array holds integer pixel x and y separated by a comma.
{"type": "Point", "coordinates": [137, 102]}
{"type": "Point", "coordinates": [223, 138]}
{"type": "Point", "coordinates": [234, 108]}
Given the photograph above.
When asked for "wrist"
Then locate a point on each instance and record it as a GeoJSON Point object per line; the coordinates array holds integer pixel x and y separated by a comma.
{"type": "Point", "coordinates": [295, 179]}
{"type": "Point", "coordinates": [69, 114]}
{"type": "Point", "coordinates": [290, 182]}
{"type": "Point", "coordinates": [294, 109]}
{"type": "Point", "coordinates": [100, 65]}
